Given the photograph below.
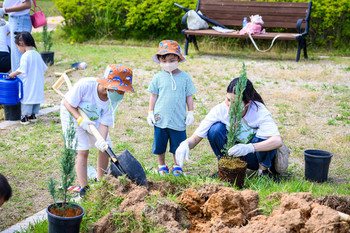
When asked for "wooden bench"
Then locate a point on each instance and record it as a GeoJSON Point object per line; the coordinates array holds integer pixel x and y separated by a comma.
{"type": "Point", "coordinates": [274, 14]}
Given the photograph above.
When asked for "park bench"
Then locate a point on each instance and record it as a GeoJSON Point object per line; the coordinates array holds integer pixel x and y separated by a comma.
{"type": "Point", "coordinates": [274, 14]}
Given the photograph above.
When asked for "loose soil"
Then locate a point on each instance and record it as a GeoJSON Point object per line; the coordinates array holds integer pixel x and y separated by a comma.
{"type": "Point", "coordinates": [215, 208]}
{"type": "Point", "coordinates": [66, 211]}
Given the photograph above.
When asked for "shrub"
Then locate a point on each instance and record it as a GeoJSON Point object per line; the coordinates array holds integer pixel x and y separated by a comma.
{"type": "Point", "coordinates": [118, 19]}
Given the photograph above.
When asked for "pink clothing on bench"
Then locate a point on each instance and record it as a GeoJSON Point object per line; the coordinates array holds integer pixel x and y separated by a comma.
{"type": "Point", "coordinates": [251, 28]}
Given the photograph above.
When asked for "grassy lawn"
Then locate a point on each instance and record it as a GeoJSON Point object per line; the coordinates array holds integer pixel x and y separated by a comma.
{"type": "Point", "coordinates": [309, 101]}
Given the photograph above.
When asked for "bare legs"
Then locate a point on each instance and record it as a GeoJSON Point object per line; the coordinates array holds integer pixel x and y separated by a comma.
{"type": "Point", "coordinates": [81, 166]}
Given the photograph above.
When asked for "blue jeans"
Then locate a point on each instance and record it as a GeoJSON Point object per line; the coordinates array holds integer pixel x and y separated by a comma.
{"type": "Point", "coordinates": [217, 136]}
{"type": "Point", "coordinates": [19, 23]}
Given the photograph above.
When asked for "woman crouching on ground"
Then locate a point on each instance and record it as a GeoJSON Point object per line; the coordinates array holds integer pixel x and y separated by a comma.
{"type": "Point", "coordinates": [258, 151]}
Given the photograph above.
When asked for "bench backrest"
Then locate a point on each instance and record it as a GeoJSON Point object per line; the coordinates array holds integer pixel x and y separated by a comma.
{"type": "Point", "coordinates": [274, 14]}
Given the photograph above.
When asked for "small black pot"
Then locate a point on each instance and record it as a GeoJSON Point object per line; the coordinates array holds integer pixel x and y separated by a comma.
{"type": "Point", "coordinates": [48, 57]}
{"type": "Point", "coordinates": [317, 164]}
{"type": "Point", "coordinates": [59, 224]}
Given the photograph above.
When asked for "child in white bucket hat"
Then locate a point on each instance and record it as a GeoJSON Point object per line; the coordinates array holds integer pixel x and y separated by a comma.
{"type": "Point", "coordinates": [171, 90]}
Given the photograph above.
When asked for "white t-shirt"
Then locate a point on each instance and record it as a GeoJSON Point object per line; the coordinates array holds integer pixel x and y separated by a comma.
{"type": "Point", "coordinates": [259, 118]}
{"type": "Point", "coordinates": [5, 39]}
{"type": "Point", "coordinates": [84, 94]}
{"type": "Point", "coordinates": [11, 3]}
{"type": "Point", "coordinates": [32, 68]}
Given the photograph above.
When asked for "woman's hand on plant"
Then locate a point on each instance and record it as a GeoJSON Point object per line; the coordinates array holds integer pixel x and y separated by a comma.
{"type": "Point", "coordinates": [182, 153]}
{"type": "Point", "coordinates": [241, 150]}
{"type": "Point", "coordinates": [189, 118]}
{"type": "Point", "coordinates": [101, 145]}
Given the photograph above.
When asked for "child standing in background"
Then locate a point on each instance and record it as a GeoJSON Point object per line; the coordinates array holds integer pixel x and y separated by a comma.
{"type": "Point", "coordinates": [171, 89]}
{"type": "Point", "coordinates": [31, 72]}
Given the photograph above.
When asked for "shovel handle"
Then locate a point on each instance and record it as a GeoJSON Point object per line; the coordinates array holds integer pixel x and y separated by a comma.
{"type": "Point", "coordinates": [60, 81]}
{"type": "Point", "coordinates": [98, 136]}
{"type": "Point", "coordinates": [93, 129]}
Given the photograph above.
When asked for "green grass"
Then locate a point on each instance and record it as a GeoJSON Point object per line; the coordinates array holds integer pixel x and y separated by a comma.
{"type": "Point", "coordinates": [308, 100]}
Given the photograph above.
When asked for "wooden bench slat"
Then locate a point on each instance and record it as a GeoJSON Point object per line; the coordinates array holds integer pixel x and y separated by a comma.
{"type": "Point", "coordinates": [248, 12]}
{"type": "Point", "coordinates": [252, 3]}
{"type": "Point", "coordinates": [274, 24]}
{"type": "Point", "coordinates": [211, 32]}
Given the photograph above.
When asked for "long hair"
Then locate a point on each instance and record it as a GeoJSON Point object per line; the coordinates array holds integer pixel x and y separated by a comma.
{"type": "Point", "coordinates": [25, 37]}
{"type": "Point", "coordinates": [249, 94]}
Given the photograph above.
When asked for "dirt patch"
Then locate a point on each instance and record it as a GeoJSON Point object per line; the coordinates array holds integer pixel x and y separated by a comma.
{"type": "Point", "coordinates": [215, 208]}
{"type": "Point", "coordinates": [341, 204]}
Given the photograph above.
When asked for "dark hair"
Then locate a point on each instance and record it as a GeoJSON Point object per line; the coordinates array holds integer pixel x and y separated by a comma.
{"type": "Point", "coordinates": [249, 94]}
{"type": "Point", "coordinates": [5, 188]}
{"type": "Point", "coordinates": [165, 55]}
{"type": "Point", "coordinates": [25, 37]}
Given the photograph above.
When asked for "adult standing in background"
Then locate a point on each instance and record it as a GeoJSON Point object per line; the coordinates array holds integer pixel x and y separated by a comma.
{"type": "Point", "coordinates": [5, 41]}
{"type": "Point", "coordinates": [19, 19]}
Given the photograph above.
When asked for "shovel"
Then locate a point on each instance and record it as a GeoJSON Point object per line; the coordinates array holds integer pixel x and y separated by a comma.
{"type": "Point", "coordinates": [124, 164]}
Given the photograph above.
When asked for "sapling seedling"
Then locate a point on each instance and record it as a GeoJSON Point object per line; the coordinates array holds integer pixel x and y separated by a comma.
{"type": "Point", "coordinates": [67, 161]}
{"type": "Point", "coordinates": [235, 120]}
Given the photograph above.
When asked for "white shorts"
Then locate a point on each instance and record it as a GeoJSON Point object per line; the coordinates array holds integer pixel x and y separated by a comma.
{"type": "Point", "coordinates": [85, 140]}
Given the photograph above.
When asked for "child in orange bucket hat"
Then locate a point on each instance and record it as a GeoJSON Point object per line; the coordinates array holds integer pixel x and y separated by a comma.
{"type": "Point", "coordinates": [171, 90]}
{"type": "Point", "coordinates": [99, 99]}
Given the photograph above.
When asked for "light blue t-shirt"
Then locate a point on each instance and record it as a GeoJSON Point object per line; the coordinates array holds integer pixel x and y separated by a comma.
{"type": "Point", "coordinates": [170, 107]}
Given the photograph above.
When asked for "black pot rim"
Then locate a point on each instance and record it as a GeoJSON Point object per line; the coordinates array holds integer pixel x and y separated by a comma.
{"type": "Point", "coordinates": [65, 218]}
{"type": "Point", "coordinates": [313, 153]}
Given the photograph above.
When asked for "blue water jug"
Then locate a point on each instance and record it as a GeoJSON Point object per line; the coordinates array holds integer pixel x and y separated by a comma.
{"type": "Point", "coordinates": [11, 90]}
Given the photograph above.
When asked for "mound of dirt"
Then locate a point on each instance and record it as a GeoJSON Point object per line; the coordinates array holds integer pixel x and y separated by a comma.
{"type": "Point", "coordinates": [341, 204]}
{"type": "Point", "coordinates": [215, 208]}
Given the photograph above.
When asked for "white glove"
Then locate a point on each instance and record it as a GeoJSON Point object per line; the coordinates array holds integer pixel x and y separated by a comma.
{"type": "Point", "coordinates": [150, 118]}
{"type": "Point", "coordinates": [241, 150]}
{"type": "Point", "coordinates": [101, 145]}
{"type": "Point", "coordinates": [182, 152]}
{"type": "Point", "coordinates": [2, 12]}
{"type": "Point", "coordinates": [84, 123]}
{"type": "Point", "coordinates": [189, 118]}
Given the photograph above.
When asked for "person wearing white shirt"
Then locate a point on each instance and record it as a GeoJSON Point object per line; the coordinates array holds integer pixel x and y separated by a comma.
{"type": "Point", "coordinates": [31, 72]}
{"type": "Point", "coordinates": [5, 59]}
{"type": "Point", "coordinates": [258, 151]}
{"type": "Point", "coordinates": [19, 19]}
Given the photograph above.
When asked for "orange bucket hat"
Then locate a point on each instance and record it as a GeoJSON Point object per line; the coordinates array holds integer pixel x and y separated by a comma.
{"type": "Point", "coordinates": [117, 77]}
{"type": "Point", "coordinates": [168, 47]}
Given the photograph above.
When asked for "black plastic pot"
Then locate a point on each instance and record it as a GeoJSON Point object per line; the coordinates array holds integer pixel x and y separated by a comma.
{"type": "Point", "coordinates": [59, 224]}
{"type": "Point", "coordinates": [317, 164]}
{"type": "Point", "coordinates": [48, 57]}
{"type": "Point", "coordinates": [13, 112]}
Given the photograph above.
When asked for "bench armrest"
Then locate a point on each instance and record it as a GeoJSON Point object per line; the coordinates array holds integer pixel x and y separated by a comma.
{"type": "Point", "coordinates": [184, 19]}
{"type": "Point", "coordinates": [307, 22]}
{"type": "Point", "coordinates": [299, 29]}
{"type": "Point", "coordinates": [300, 21]}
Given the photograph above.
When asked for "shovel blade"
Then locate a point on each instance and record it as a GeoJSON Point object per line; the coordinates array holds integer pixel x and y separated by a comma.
{"type": "Point", "coordinates": [132, 168]}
